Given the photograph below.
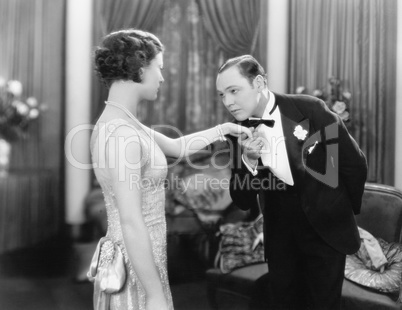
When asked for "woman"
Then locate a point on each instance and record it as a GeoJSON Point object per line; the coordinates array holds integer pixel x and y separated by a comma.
{"type": "Point", "coordinates": [130, 165]}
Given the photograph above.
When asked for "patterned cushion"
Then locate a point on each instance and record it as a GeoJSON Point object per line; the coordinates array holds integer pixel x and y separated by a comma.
{"type": "Point", "coordinates": [241, 244]}
{"type": "Point", "coordinates": [358, 268]}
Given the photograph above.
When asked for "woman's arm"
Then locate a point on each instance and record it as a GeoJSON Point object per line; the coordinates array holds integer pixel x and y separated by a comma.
{"type": "Point", "coordinates": [192, 143]}
{"type": "Point", "coordinates": [126, 182]}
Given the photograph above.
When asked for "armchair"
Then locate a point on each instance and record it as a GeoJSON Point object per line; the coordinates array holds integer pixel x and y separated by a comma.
{"type": "Point", "coordinates": [381, 215]}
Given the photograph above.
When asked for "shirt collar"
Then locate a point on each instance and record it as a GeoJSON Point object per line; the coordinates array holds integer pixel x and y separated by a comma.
{"type": "Point", "coordinates": [270, 105]}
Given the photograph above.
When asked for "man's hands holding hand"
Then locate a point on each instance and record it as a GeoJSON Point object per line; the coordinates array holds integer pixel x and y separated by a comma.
{"type": "Point", "coordinates": [249, 140]}
{"type": "Point", "coordinates": [251, 147]}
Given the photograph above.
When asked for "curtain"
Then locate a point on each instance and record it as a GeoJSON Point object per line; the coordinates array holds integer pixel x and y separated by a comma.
{"type": "Point", "coordinates": [32, 51]}
{"type": "Point", "coordinates": [32, 45]}
{"type": "Point", "coordinates": [355, 41]}
{"type": "Point", "coordinates": [187, 99]}
{"type": "Point", "coordinates": [117, 14]}
{"type": "Point", "coordinates": [111, 15]}
{"type": "Point", "coordinates": [233, 24]}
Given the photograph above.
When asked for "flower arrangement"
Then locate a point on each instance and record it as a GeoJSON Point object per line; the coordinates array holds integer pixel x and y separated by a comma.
{"type": "Point", "coordinates": [337, 100]}
{"type": "Point", "coordinates": [16, 114]}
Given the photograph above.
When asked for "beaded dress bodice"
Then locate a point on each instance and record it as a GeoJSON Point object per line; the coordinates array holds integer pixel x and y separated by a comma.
{"type": "Point", "coordinates": [151, 182]}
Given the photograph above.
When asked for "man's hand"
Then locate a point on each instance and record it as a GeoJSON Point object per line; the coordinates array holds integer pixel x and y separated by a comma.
{"type": "Point", "coordinates": [251, 148]}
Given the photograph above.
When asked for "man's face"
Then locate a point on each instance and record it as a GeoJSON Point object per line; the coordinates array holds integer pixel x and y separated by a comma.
{"type": "Point", "coordinates": [238, 95]}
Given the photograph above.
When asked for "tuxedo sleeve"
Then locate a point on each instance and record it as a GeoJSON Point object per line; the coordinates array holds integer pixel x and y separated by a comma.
{"type": "Point", "coordinates": [352, 167]}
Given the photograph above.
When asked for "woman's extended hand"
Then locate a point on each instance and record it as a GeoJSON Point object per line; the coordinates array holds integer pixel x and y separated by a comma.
{"type": "Point", "coordinates": [237, 130]}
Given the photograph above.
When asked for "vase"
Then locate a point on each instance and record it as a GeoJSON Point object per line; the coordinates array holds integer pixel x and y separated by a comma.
{"type": "Point", "coordinates": [5, 152]}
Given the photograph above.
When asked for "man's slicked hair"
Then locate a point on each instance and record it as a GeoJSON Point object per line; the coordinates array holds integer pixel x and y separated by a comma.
{"type": "Point", "coordinates": [248, 66]}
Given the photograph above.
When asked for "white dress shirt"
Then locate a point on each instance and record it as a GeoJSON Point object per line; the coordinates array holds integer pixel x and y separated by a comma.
{"type": "Point", "coordinates": [274, 154]}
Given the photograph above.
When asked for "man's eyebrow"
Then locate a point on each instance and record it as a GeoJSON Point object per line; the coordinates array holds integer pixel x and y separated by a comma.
{"type": "Point", "coordinates": [230, 86]}
{"type": "Point", "coordinates": [226, 88]}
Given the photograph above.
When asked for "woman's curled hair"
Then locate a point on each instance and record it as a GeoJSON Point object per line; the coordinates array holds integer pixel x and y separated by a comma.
{"type": "Point", "coordinates": [123, 54]}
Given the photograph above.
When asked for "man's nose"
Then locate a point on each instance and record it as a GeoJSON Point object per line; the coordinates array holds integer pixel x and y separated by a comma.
{"type": "Point", "coordinates": [228, 101]}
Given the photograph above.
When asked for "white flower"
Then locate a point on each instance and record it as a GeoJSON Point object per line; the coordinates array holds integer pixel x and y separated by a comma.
{"type": "Point", "coordinates": [339, 107]}
{"type": "Point", "coordinates": [317, 93]}
{"type": "Point", "coordinates": [347, 95]}
{"type": "Point", "coordinates": [21, 107]}
{"type": "Point", "coordinates": [32, 102]}
{"type": "Point", "coordinates": [33, 113]}
{"type": "Point", "coordinates": [15, 87]}
{"type": "Point", "coordinates": [300, 133]}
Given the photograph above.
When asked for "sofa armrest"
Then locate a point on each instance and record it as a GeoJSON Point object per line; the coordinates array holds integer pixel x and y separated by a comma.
{"type": "Point", "coordinates": [381, 212]}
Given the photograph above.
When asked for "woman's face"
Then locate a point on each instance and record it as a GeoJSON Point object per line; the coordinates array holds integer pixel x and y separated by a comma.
{"type": "Point", "coordinates": [152, 77]}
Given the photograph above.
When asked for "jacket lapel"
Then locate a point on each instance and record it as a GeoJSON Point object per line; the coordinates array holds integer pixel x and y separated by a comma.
{"type": "Point", "coordinates": [291, 118]}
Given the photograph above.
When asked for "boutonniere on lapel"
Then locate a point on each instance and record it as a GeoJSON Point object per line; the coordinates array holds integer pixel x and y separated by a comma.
{"type": "Point", "coordinates": [300, 133]}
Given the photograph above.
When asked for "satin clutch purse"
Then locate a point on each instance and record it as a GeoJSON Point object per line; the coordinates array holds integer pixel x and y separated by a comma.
{"type": "Point", "coordinates": [107, 267]}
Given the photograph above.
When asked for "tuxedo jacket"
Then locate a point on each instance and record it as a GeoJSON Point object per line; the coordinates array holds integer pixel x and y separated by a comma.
{"type": "Point", "coordinates": [329, 171]}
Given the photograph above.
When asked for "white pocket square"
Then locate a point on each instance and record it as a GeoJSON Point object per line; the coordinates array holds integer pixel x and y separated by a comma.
{"type": "Point", "coordinates": [311, 148]}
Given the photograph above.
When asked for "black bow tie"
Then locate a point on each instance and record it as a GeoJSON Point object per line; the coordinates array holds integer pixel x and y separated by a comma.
{"type": "Point", "coordinates": [255, 122]}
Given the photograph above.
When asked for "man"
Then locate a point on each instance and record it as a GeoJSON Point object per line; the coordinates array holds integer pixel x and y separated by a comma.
{"type": "Point", "coordinates": [309, 174]}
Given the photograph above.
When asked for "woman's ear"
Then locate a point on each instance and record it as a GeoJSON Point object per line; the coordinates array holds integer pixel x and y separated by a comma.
{"type": "Point", "coordinates": [141, 74]}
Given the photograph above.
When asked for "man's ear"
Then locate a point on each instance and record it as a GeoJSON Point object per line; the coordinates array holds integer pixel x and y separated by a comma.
{"type": "Point", "coordinates": [259, 82]}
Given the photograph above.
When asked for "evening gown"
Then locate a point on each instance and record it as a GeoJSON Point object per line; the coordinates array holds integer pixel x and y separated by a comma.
{"type": "Point", "coordinates": [153, 173]}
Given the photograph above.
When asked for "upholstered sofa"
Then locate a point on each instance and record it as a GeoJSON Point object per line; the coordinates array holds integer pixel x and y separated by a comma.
{"type": "Point", "coordinates": [381, 215]}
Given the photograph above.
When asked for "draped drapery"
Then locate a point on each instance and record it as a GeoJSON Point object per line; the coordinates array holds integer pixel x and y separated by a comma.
{"type": "Point", "coordinates": [235, 25]}
{"type": "Point", "coordinates": [32, 45]}
{"type": "Point", "coordinates": [32, 51]}
{"type": "Point", "coordinates": [119, 14]}
{"type": "Point", "coordinates": [355, 41]}
{"type": "Point", "coordinates": [187, 99]}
